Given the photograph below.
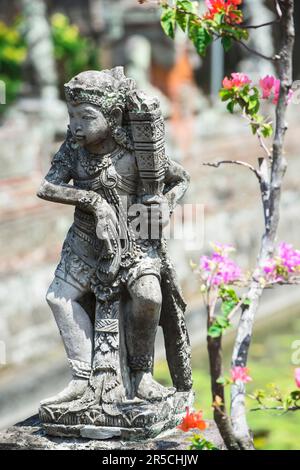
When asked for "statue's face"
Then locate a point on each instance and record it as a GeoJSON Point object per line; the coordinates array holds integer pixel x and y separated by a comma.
{"type": "Point", "coordinates": [87, 123]}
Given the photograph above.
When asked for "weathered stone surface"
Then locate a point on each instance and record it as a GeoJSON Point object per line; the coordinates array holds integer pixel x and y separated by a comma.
{"type": "Point", "coordinates": [126, 273]}
{"type": "Point", "coordinates": [29, 435]}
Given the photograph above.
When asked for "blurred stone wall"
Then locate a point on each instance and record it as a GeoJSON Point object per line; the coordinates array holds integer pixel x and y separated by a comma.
{"type": "Point", "coordinates": [31, 232]}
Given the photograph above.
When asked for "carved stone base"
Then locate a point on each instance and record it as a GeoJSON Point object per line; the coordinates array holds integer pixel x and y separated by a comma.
{"type": "Point", "coordinates": [129, 421]}
{"type": "Point", "coordinates": [29, 435]}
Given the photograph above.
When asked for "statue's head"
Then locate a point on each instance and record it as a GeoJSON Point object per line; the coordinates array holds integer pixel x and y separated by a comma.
{"type": "Point", "coordinates": [96, 103]}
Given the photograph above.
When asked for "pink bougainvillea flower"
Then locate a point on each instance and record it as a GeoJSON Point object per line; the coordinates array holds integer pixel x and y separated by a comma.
{"type": "Point", "coordinates": [238, 80]}
{"type": "Point", "coordinates": [241, 374]}
{"type": "Point", "coordinates": [218, 268]}
{"type": "Point", "coordinates": [297, 377]}
{"type": "Point", "coordinates": [267, 85]}
{"type": "Point", "coordinates": [228, 7]}
{"type": "Point", "coordinates": [192, 421]}
{"type": "Point", "coordinates": [270, 266]}
{"type": "Point", "coordinates": [285, 262]}
{"type": "Point", "coordinates": [276, 91]}
{"type": "Point", "coordinates": [270, 87]}
{"type": "Point", "coordinates": [290, 258]}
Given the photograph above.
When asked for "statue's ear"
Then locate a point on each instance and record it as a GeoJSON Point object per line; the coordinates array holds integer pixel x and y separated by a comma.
{"type": "Point", "coordinates": [116, 116]}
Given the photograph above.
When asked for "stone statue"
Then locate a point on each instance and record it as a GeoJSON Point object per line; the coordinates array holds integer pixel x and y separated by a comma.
{"type": "Point", "coordinates": [115, 283]}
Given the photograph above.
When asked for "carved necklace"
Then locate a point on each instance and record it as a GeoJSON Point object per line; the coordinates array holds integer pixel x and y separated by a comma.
{"type": "Point", "coordinates": [93, 163]}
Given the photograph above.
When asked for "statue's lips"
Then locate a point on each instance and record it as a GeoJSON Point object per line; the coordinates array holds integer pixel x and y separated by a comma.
{"type": "Point", "coordinates": [79, 138]}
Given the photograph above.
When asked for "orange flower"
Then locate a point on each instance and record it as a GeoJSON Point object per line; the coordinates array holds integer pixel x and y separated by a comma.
{"type": "Point", "coordinates": [192, 421]}
{"type": "Point", "coordinates": [228, 7]}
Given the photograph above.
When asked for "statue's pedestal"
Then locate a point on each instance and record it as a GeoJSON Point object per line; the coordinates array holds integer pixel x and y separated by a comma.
{"type": "Point", "coordinates": [29, 435]}
{"type": "Point", "coordinates": [130, 421]}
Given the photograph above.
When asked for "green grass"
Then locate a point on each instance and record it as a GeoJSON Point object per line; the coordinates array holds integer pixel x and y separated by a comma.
{"type": "Point", "coordinates": [269, 362]}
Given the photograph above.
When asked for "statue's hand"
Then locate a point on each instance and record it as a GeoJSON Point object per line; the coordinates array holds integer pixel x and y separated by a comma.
{"type": "Point", "coordinates": [164, 212]}
{"type": "Point", "coordinates": [160, 213]}
{"type": "Point", "coordinates": [106, 220]}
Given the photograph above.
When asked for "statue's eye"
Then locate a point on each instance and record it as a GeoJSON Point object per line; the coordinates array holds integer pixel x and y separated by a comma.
{"type": "Point", "coordinates": [88, 117]}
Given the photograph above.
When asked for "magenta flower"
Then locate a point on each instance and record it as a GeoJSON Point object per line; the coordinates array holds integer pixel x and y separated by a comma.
{"type": "Point", "coordinates": [241, 374]}
{"type": "Point", "coordinates": [290, 258]}
{"type": "Point", "coordinates": [270, 86]}
{"type": "Point", "coordinates": [297, 377]}
{"type": "Point", "coordinates": [285, 262]}
{"type": "Point", "coordinates": [218, 268]}
{"type": "Point", "coordinates": [238, 80]}
{"type": "Point", "coordinates": [270, 267]}
{"type": "Point", "coordinates": [267, 84]}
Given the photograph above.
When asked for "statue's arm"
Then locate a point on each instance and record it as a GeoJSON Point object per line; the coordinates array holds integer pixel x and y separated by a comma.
{"type": "Point", "coordinates": [177, 182]}
{"type": "Point", "coordinates": [55, 187]}
{"type": "Point", "coordinates": [67, 194]}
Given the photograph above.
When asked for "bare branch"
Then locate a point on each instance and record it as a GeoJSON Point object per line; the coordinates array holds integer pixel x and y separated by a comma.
{"type": "Point", "coordinates": [274, 58]}
{"type": "Point", "coordinates": [237, 307]}
{"type": "Point", "coordinates": [289, 282]}
{"type": "Point", "coordinates": [276, 408]}
{"type": "Point", "coordinates": [263, 25]}
{"type": "Point", "coordinates": [258, 133]}
{"type": "Point", "coordinates": [263, 145]}
{"type": "Point", "coordinates": [236, 162]}
{"type": "Point", "coordinates": [269, 23]}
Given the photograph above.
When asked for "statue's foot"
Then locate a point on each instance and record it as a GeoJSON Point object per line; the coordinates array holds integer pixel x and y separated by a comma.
{"type": "Point", "coordinates": [146, 388]}
{"type": "Point", "coordinates": [116, 395]}
{"type": "Point", "coordinates": [74, 390]}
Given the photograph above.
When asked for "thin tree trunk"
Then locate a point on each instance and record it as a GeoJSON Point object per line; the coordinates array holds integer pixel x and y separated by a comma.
{"type": "Point", "coordinates": [222, 420]}
{"type": "Point", "coordinates": [271, 213]}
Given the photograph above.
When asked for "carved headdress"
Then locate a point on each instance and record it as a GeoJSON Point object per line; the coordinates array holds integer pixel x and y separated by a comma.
{"type": "Point", "coordinates": [143, 123]}
{"type": "Point", "coordinates": [106, 88]}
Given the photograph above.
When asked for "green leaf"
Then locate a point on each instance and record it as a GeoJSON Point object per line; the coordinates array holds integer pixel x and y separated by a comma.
{"type": "Point", "coordinates": [287, 402]}
{"type": "Point", "coordinates": [295, 395]}
{"type": "Point", "coordinates": [185, 5]}
{"type": "Point", "coordinates": [220, 324]}
{"type": "Point", "coordinates": [252, 103]}
{"type": "Point", "coordinates": [226, 293]}
{"type": "Point", "coordinates": [168, 21]}
{"type": "Point", "coordinates": [223, 322]}
{"type": "Point", "coordinates": [230, 107]}
{"type": "Point", "coordinates": [221, 381]}
{"type": "Point", "coordinates": [267, 130]}
{"type": "Point", "coordinates": [182, 15]}
{"type": "Point", "coordinates": [225, 94]}
{"type": "Point", "coordinates": [214, 331]}
{"type": "Point", "coordinates": [227, 307]}
{"type": "Point", "coordinates": [199, 443]}
{"type": "Point", "coordinates": [259, 394]}
{"type": "Point", "coordinates": [254, 128]}
{"type": "Point", "coordinates": [219, 18]}
{"type": "Point", "coordinates": [200, 37]}
{"type": "Point", "coordinates": [181, 20]}
{"type": "Point", "coordinates": [227, 43]}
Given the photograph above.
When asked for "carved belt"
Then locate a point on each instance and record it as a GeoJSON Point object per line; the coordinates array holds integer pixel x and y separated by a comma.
{"type": "Point", "coordinates": [84, 221]}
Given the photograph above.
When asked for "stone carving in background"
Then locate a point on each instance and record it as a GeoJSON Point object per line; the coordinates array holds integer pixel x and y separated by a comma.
{"type": "Point", "coordinates": [114, 286]}
{"type": "Point", "coordinates": [40, 47]}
